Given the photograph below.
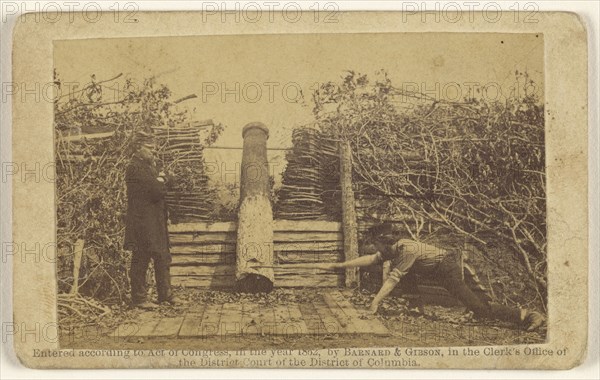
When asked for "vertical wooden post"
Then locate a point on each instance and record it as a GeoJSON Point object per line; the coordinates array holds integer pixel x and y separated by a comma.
{"type": "Point", "coordinates": [349, 226]}
{"type": "Point", "coordinates": [254, 249]}
{"type": "Point", "coordinates": [77, 255]}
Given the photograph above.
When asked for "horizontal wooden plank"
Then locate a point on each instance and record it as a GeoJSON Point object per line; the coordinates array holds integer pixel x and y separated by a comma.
{"type": "Point", "coordinates": [278, 225]}
{"type": "Point", "coordinates": [293, 257]}
{"type": "Point", "coordinates": [206, 249]}
{"type": "Point", "coordinates": [204, 259]}
{"type": "Point", "coordinates": [231, 237]}
{"type": "Point", "coordinates": [305, 248]}
{"type": "Point", "coordinates": [324, 281]}
{"type": "Point", "coordinates": [228, 269]}
{"type": "Point", "coordinates": [302, 272]}
{"type": "Point", "coordinates": [307, 236]}
{"type": "Point", "coordinates": [308, 246]}
{"type": "Point", "coordinates": [289, 257]}
{"type": "Point", "coordinates": [203, 282]}
{"type": "Point", "coordinates": [180, 207]}
{"type": "Point", "coordinates": [203, 238]}
{"type": "Point", "coordinates": [203, 227]}
{"type": "Point", "coordinates": [224, 276]}
{"type": "Point", "coordinates": [204, 270]}
{"type": "Point", "coordinates": [201, 203]}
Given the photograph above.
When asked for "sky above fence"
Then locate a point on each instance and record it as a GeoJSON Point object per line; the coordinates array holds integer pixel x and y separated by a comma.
{"type": "Point", "coordinates": [269, 78]}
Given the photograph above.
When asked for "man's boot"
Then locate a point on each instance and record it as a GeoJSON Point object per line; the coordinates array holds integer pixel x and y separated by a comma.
{"type": "Point", "coordinates": [146, 305]}
{"type": "Point", "coordinates": [533, 320]}
{"type": "Point", "coordinates": [173, 301]}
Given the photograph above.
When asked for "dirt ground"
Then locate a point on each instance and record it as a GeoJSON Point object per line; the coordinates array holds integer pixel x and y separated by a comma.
{"type": "Point", "coordinates": [438, 326]}
{"type": "Point", "coordinates": [497, 267]}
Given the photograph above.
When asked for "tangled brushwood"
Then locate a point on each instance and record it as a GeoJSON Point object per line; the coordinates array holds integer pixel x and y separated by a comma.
{"type": "Point", "coordinates": [94, 128]}
{"type": "Point", "coordinates": [473, 167]}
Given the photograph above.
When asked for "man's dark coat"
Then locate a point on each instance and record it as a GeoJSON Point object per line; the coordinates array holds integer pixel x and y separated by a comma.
{"type": "Point", "coordinates": [146, 224]}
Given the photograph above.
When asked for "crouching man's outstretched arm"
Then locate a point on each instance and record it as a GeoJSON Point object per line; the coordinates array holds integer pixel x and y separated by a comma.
{"type": "Point", "coordinates": [362, 261]}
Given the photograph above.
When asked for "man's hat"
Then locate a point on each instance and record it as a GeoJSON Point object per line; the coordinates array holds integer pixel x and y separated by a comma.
{"type": "Point", "coordinates": [384, 228]}
{"type": "Point", "coordinates": [142, 138]}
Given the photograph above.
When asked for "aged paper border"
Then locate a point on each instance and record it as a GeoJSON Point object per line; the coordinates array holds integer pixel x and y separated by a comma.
{"type": "Point", "coordinates": [566, 136]}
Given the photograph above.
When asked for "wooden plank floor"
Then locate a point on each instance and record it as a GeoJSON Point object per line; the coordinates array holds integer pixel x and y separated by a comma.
{"type": "Point", "coordinates": [330, 313]}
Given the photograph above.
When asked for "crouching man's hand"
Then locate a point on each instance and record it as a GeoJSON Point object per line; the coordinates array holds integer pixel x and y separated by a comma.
{"type": "Point", "coordinates": [386, 288]}
{"type": "Point", "coordinates": [373, 308]}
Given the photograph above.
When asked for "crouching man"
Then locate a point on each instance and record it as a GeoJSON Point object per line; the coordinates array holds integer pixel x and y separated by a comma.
{"type": "Point", "coordinates": [416, 258]}
{"type": "Point", "coordinates": [146, 231]}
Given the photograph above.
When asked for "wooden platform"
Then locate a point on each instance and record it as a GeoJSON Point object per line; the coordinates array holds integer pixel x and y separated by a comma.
{"type": "Point", "coordinates": [330, 313]}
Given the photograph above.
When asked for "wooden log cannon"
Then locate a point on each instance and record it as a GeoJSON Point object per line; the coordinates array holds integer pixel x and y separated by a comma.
{"type": "Point", "coordinates": [254, 249]}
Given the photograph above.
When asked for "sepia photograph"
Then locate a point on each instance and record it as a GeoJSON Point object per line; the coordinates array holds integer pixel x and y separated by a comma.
{"type": "Point", "coordinates": [361, 190]}
{"type": "Point", "coordinates": [301, 191]}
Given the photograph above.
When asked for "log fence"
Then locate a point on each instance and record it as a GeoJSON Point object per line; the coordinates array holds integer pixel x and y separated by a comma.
{"type": "Point", "coordinates": [204, 254]}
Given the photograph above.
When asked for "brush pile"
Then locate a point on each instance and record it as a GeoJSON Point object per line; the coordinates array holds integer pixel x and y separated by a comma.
{"type": "Point", "coordinates": [310, 186]}
{"type": "Point", "coordinates": [474, 167]}
{"type": "Point", "coordinates": [181, 154]}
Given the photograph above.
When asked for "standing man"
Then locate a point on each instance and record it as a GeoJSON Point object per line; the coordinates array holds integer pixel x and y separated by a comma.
{"type": "Point", "coordinates": [146, 231]}
{"type": "Point", "coordinates": [410, 257]}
